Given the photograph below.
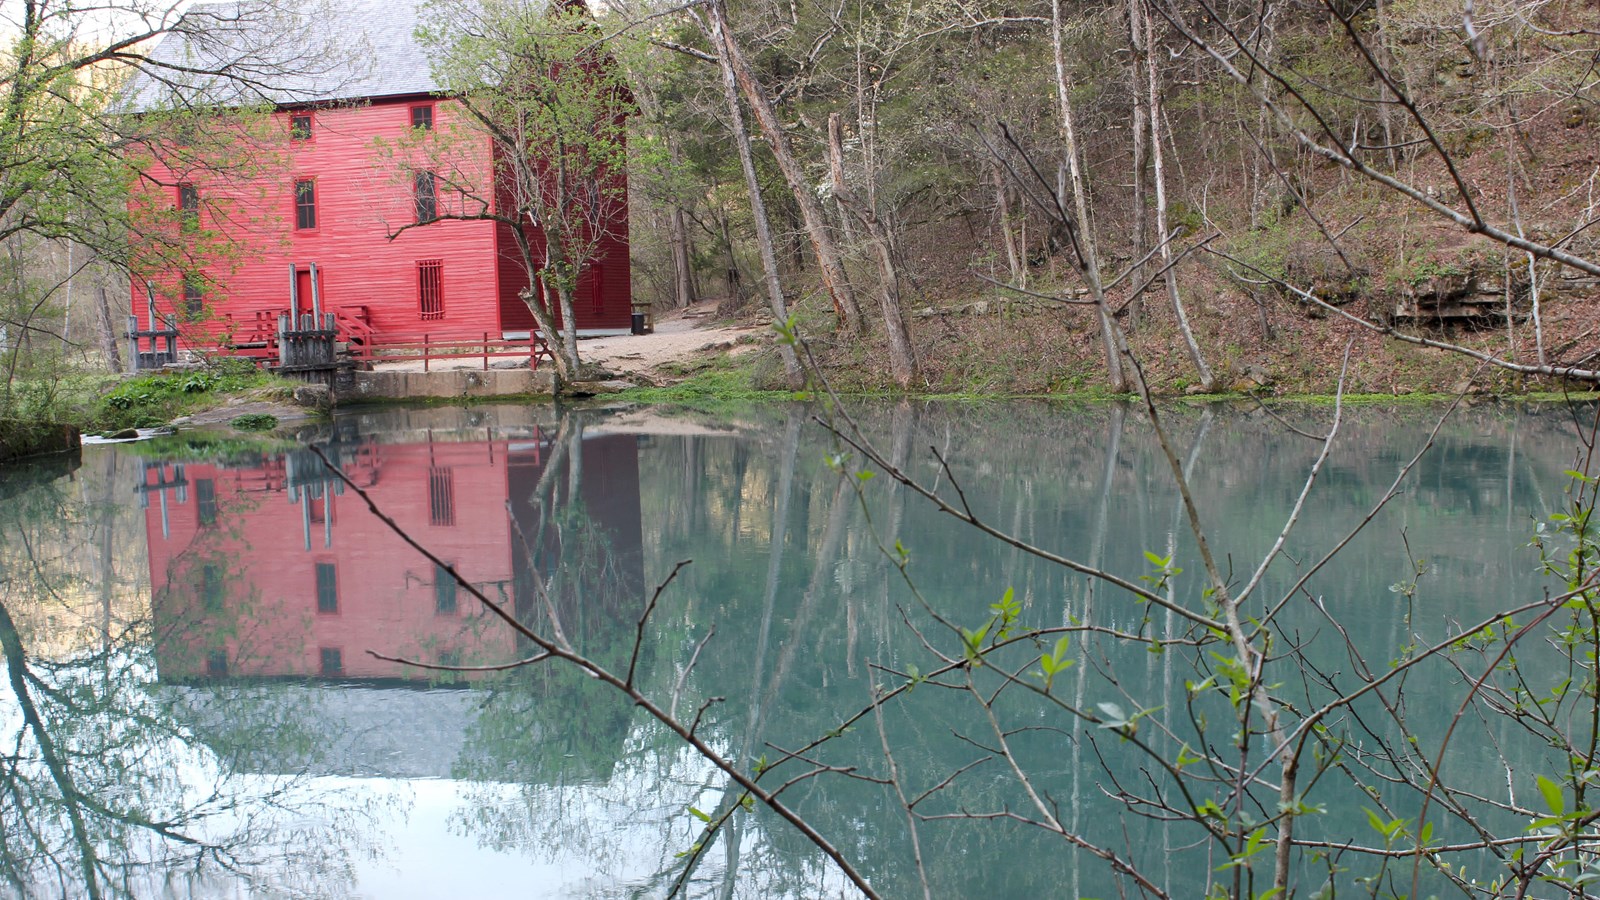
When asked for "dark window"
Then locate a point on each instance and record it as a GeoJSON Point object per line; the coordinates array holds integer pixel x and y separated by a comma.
{"type": "Point", "coordinates": [422, 117]}
{"type": "Point", "coordinates": [189, 206]}
{"type": "Point", "coordinates": [332, 660]}
{"type": "Point", "coordinates": [441, 496]}
{"type": "Point", "coordinates": [425, 191]}
{"type": "Point", "coordinates": [318, 509]}
{"type": "Point", "coordinates": [205, 500]}
{"type": "Point", "coordinates": [305, 204]}
{"type": "Point", "coordinates": [444, 591]}
{"type": "Point", "coordinates": [193, 296]}
{"type": "Point", "coordinates": [217, 663]}
{"type": "Point", "coordinates": [211, 591]}
{"type": "Point", "coordinates": [300, 127]}
{"type": "Point", "coordinates": [327, 588]}
{"type": "Point", "coordinates": [430, 288]}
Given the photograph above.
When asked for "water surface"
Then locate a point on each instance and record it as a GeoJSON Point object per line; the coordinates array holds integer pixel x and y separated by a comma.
{"type": "Point", "coordinates": [225, 673]}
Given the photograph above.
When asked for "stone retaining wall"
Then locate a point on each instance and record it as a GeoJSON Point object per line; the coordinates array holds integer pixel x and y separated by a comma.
{"type": "Point", "coordinates": [359, 387]}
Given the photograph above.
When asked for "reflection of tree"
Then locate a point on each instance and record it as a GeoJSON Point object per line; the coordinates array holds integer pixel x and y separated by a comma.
{"type": "Point", "coordinates": [106, 788]}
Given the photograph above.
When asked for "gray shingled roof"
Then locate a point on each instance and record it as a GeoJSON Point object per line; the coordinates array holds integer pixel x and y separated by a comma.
{"type": "Point", "coordinates": [285, 52]}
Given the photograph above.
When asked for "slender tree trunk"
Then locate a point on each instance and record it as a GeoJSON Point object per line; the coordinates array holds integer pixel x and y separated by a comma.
{"type": "Point", "coordinates": [1141, 162]}
{"type": "Point", "coordinates": [792, 372]}
{"type": "Point", "coordinates": [902, 357]}
{"type": "Point", "coordinates": [828, 258]}
{"type": "Point", "coordinates": [108, 334]}
{"type": "Point", "coordinates": [683, 289]}
{"type": "Point", "coordinates": [1089, 265]}
{"type": "Point", "coordinates": [1207, 381]}
{"type": "Point", "coordinates": [1015, 263]}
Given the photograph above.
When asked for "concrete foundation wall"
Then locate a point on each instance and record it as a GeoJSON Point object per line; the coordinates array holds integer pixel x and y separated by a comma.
{"type": "Point", "coordinates": [356, 387]}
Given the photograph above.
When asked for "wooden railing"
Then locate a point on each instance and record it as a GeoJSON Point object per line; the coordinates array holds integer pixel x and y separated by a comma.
{"type": "Point", "coordinates": [430, 348]}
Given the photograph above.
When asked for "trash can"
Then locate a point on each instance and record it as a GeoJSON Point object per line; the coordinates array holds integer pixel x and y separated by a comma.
{"type": "Point", "coordinates": [639, 326]}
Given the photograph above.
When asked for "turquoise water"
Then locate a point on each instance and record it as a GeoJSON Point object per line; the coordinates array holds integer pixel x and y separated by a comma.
{"type": "Point", "coordinates": [225, 674]}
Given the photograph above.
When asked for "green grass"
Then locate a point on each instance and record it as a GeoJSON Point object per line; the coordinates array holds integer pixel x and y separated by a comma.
{"type": "Point", "coordinates": [713, 386]}
{"type": "Point", "coordinates": [149, 400]}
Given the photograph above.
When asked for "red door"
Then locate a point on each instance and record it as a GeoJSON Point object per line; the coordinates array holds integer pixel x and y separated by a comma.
{"type": "Point", "coordinates": [302, 291]}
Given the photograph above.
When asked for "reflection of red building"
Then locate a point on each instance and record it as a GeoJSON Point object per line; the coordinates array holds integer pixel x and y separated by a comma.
{"type": "Point", "coordinates": [274, 568]}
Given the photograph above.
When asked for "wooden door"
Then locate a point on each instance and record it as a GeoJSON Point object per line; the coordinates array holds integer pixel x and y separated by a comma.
{"type": "Point", "coordinates": [302, 292]}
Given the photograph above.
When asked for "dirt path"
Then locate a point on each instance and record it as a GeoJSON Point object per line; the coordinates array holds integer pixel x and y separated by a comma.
{"type": "Point", "coordinates": [682, 338]}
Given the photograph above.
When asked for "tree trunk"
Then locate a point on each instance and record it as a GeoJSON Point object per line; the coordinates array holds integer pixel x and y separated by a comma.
{"type": "Point", "coordinates": [828, 259]}
{"type": "Point", "coordinates": [902, 358]}
{"type": "Point", "coordinates": [1141, 162]}
{"type": "Point", "coordinates": [1088, 264]}
{"type": "Point", "coordinates": [1015, 263]}
{"type": "Point", "coordinates": [108, 335]}
{"type": "Point", "coordinates": [1207, 381]}
{"type": "Point", "coordinates": [683, 290]}
{"type": "Point", "coordinates": [794, 376]}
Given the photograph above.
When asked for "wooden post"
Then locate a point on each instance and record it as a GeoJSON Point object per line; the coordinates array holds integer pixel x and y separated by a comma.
{"type": "Point", "coordinates": [316, 295]}
{"type": "Point", "coordinates": [150, 305]}
{"type": "Point", "coordinates": [294, 292]}
{"type": "Point", "coordinates": [486, 351]}
{"type": "Point", "coordinates": [425, 353]}
{"type": "Point", "coordinates": [133, 341]}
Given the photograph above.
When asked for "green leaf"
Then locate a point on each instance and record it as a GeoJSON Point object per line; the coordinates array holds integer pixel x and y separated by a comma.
{"type": "Point", "coordinates": [1553, 797]}
{"type": "Point", "coordinates": [699, 815]}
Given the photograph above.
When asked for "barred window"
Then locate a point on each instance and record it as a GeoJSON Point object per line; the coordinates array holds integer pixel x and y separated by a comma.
{"type": "Point", "coordinates": [430, 288]}
{"type": "Point", "coordinates": [441, 496]}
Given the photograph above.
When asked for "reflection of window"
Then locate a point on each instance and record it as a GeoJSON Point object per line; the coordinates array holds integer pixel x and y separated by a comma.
{"type": "Point", "coordinates": [430, 288]}
{"type": "Point", "coordinates": [422, 117]}
{"type": "Point", "coordinates": [444, 591]}
{"type": "Point", "coordinates": [327, 588]}
{"type": "Point", "coordinates": [425, 191]}
{"type": "Point", "coordinates": [205, 500]}
{"type": "Point", "coordinates": [332, 661]}
{"type": "Point", "coordinates": [305, 204]}
{"type": "Point", "coordinates": [217, 663]}
{"type": "Point", "coordinates": [300, 127]}
{"type": "Point", "coordinates": [318, 509]}
{"type": "Point", "coordinates": [211, 592]}
{"type": "Point", "coordinates": [441, 496]}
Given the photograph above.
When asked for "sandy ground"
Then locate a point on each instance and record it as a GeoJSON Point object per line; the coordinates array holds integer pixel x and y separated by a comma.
{"type": "Point", "coordinates": [680, 338]}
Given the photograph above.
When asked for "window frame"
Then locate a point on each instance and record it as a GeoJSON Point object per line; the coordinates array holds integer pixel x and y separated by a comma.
{"type": "Point", "coordinates": [205, 501]}
{"type": "Point", "coordinates": [336, 655]}
{"type": "Point", "coordinates": [428, 117]}
{"type": "Point", "coordinates": [309, 182]}
{"type": "Point", "coordinates": [425, 196]}
{"type": "Point", "coordinates": [194, 296]}
{"type": "Point", "coordinates": [446, 592]}
{"type": "Point", "coordinates": [325, 608]}
{"type": "Point", "coordinates": [309, 134]}
{"type": "Point", "coordinates": [188, 206]}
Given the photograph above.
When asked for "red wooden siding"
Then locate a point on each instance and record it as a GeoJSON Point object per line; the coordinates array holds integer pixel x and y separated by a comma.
{"type": "Point", "coordinates": [233, 581]}
{"type": "Point", "coordinates": [360, 199]}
